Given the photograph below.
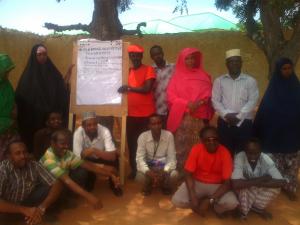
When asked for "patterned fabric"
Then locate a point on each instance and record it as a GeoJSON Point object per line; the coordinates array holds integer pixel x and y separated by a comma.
{"type": "Point", "coordinates": [235, 96]}
{"type": "Point", "coordinates": [17, 184]}
{"type": "Point", "coordinates": [103, 141]}
{"type": "Point", "coordinates": [186, 136]}
{"type": "Point", "coordinates": [160, 88]}
{"type": "Point", "coordinates": [264, 166]}
{"type": "Point", "coordinates": [288, 165]}
{"type": "Point", "coordinates": [60, 166]}
{"type": "Point", "coordinates": [255, 197]}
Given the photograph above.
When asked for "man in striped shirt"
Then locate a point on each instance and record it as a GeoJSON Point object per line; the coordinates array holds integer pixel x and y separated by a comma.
{"type": "Point", "coordinates": [26, 187]}
{"type": "Point", "coordinates": [70, 169]}
{"type": "Point", "coordinates": [234, 97]}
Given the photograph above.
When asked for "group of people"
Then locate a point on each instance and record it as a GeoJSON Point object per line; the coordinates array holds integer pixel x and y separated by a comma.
{"type": "Point", "coordinates": [240, 164]}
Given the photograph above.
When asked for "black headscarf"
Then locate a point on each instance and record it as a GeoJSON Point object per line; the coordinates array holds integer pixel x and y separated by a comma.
{"type": "Point", "coordinates": [41, 90]}
{"type": "Point", "coordinates": [277, 121]}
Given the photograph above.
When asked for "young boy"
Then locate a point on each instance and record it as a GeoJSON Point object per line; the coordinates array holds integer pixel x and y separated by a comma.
{"type": "Point", "coordinates": [42, 138]}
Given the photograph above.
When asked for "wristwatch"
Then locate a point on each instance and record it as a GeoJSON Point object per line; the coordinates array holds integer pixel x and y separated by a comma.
{"type": "Point", "coordinates": [212, 201]}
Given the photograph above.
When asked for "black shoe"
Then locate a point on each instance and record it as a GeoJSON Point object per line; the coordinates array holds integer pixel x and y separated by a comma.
{"type": "Point", "coordinates": [166, 191]}
{"type": "Point", "coordinates": [146, 191]}
{"type": "Point", "coordinates": [116, 190]}
{"type": "Point", "coordinates": [132, 176]}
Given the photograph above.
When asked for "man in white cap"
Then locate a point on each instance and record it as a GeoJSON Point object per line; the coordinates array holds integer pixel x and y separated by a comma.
{"type": "Point", "coordinates": [93, 142]}
{"type": "Point", "coordinates": [234, 97]}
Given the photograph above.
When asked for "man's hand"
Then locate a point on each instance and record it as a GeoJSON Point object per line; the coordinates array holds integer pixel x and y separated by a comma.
{"type": "Point", "coordinates": [154, 176]}
{"type": "Point", "coordinates": [123, 89]}
{"type": "Point", "coordinates": [116, 181]}
{"type": "Point", "coordinates": [232, 119]}
{"type": "Point", "coordinates": [204, 206]}
{"type": "Point", "coordinates": [95, 202]}
{"type": "Point", "coordinates": [195, 204]}
{"type": "Point", "coordinates": [110, 169]}
{"type": "Point", "coordinates": [32, 215]}
{"type": "Point", "coordinates": [88, 152]}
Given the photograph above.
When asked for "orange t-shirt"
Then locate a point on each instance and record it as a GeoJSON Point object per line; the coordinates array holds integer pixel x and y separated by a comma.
{"type": "Point", "coordinates": [140, 105]}
{"type": "Point", "coordinates": [210, 168]}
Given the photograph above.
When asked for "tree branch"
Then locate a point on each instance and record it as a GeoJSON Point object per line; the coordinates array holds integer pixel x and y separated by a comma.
{"type": "Point", "coordinates": [137, 31]}
{"type": "Point", "coordinates": [294, 42]}
{"type": "Point", "coordinates": [273, 35]}
{"type": "Point", "coordinates": [59, 28]}
{"type": "Point", "coordinates": [252, 27]}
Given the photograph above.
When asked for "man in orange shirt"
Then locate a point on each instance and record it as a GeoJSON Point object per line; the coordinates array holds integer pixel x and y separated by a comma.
{"type": "Point", "coordinates": [208, 171]}
{"type": "Point", "coordinates": [140, 100]}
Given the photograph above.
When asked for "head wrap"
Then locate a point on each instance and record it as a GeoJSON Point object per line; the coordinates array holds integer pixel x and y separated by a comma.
{"type": "Point", "coordinates": [41, 90]}
{"type": "Point", "coordinates": [135, 48]}
{"type": "Point", "coordinates": [277, 121]}
{"type": "Point", "coordinates": [6, 65]}
{"type": "Point", "coordinates": [188, 85]}
{"type": "Point", "coordinates": [232, 53]}
{"type": "Point", "coordinates": [6, 94]}
{"type": "Point", "coordinates": [88, 115]}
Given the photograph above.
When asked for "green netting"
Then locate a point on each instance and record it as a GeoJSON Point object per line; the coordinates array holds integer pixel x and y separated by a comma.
{"type": "Point", "coordinates": [189, 23]}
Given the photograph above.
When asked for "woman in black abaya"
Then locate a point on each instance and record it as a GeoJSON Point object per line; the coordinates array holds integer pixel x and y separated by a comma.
{"type": "Point", "coordinates": [41, 90]}
{"type": "Point", "coordinates": [277, 122]}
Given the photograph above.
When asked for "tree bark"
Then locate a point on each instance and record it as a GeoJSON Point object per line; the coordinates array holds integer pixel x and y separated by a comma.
{"type": "Point", "coordinates": [105, 24]}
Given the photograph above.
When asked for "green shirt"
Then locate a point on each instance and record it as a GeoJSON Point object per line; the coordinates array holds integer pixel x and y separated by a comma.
{"type": "Point", "coordinates": [60, 166]}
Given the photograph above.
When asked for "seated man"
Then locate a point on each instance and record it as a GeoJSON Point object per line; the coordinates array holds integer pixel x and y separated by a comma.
{"type": "Point", "coordinates": [156, 157]}
{"type": "Point", "coordinates": [26, 187]}
{"type": "Point", "coordinates": [42, 138]}
{"type": "Point", "coordinates": [93, 142]}
{"type": "Point", "coordinates": [67, 167]}
{"type": "Point", "coordinates": [256, 179]}
{"type": "Point", "coordinates": [208, 171]}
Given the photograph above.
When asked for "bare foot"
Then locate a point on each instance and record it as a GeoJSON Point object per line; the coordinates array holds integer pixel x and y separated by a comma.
{"type": "Point", "coordinates": [291, 195]}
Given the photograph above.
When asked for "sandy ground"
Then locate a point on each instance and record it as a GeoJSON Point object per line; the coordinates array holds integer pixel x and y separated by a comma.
{"type": "Point", "coordinates": [157, 209]}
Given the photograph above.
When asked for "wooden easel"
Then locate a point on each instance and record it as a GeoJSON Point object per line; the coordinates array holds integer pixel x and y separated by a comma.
{"type": "Point", "coordinates": [103, 110]}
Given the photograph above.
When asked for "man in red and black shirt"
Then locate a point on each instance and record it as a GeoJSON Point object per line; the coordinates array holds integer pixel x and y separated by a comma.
{"type": "Point", "coordinates": [208, 171]}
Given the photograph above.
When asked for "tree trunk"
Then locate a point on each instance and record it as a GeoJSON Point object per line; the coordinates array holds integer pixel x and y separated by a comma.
{"type": "Point", "coordinates": [105, 23]}
{"type": "Point", "coordinates": [275, 44]}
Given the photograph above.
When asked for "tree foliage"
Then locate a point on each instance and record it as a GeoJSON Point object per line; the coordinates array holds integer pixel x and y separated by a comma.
{"type": "Point", "coordinates": [267, 22]}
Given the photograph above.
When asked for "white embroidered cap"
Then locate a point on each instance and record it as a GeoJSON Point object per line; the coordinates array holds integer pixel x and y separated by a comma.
{"type": "Point", "coordinates": [88, 115]}
{"type": "Point", "coordinates": [233, 52]}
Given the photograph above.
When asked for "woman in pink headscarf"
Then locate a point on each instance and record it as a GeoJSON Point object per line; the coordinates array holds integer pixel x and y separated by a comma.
{"type": "Point", "coordinates": [189, 99]}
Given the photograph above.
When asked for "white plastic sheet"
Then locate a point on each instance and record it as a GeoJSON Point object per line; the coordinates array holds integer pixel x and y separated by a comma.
{"type": "Point", "coordinates": [99, 72]}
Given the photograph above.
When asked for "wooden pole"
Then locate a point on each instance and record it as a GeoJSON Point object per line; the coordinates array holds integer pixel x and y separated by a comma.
{"type": "Point", "coordinates": [122, 150]}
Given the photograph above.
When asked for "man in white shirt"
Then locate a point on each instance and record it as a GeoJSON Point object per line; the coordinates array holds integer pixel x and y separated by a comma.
{"type": "Point", "coordinates": [164, 72]}
{"type": "Point", "coordinates": [255, 179]}
{"type": "Point", "coordinates": [234, 97]}
{"type": "Point", "coordinates": [156, 157]}
{"type": "Point", "coordinates": [93, 142]}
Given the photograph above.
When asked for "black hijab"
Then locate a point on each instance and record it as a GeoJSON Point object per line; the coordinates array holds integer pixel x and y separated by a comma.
{"type": "Point", "coordinates": [41, 90]}
{"type": "Point", "coordinates": [277, 122]}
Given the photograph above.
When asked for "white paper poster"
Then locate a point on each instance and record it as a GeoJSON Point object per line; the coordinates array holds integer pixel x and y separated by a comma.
{"type": "Point", "coordinates": [99, 72]}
